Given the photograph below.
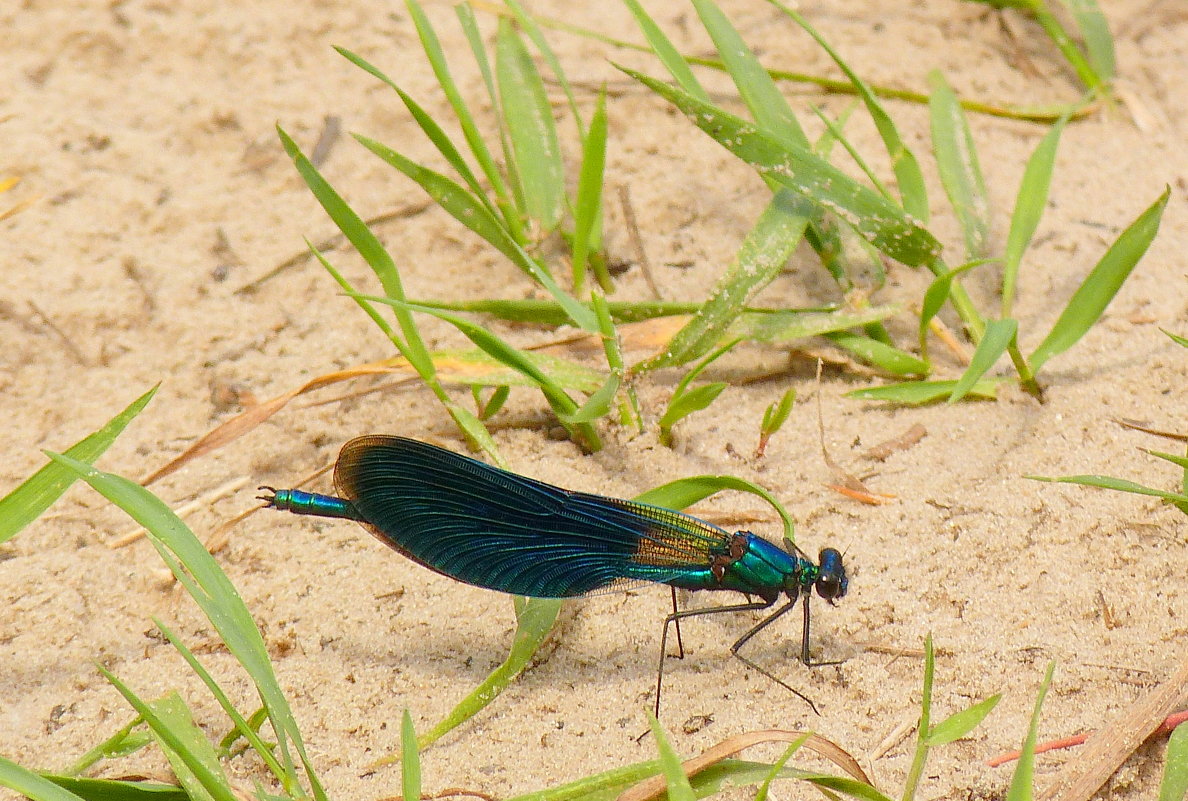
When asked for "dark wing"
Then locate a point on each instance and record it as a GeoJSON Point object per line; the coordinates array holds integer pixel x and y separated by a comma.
{"type": "Point", "coordinates": [484, 526]}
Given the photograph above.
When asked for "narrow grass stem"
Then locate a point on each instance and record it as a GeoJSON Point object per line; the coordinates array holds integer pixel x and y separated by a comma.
{"type": "Point", "coordinates": [1068, 48]}
{"type": "Point", "coordinates": [1026, 376]}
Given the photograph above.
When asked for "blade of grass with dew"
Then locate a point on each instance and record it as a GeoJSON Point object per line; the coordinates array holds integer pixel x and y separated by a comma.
{"type": "Point", "coordinates": [429, 127]}
{"type": "Point", "coordinates": [474, 140]}
{"type": "Point", "coordinates": [369, 247]}
{"type": "Point", "coordinates": [558, 399]}
{"type": "Point", "coordinates": [1029, 208]}
{"type": "Point", "coordinates": [176, 715]}
{"type": "Point", "coordinates": [663, 49]}
{"type": "Point", "coordinates": [179, 743]}
{"type": "Point", "coordinates": [1117, 484]}
{"type": "Point", "coordinates": [1023, 779]}
{"type": "Point", "coordinates": [535, 147]}
{"type": "Point", "coordinates": [242, 726]}
{"type": "Point", "coordinates": [885, 357]}
{"type": "Point", "coordinates": [452, 197]}
{"type": "Point", "coordinates": [679, 788]}
{"type": "Point", "coordinates": [836, 134]}
{"type": "Point", "coordinates": [117, 789]}
{"type": "Point", "coordinates": [881, 222]}
{"type": "Point", "coordinates": [37, 493]}
{"type": "Point", "coordinates": [685, 492]}
{"type": "Point", "coordinates": [1095, 293]}
{"type": "Point", "coordinates": [995, 340]}
{"type": "Point", "coordinates": [1174, 785]}
{"type": "Point", "coordinates": [535, 618]}
{"type": "Point", "coordinates": [959, 724]}
{"type": "Point", "coordinates": [903, 162]}
{"type": "Point", "coordinates": [220, 602]}
{"type": "Point", "coordinates": [957, 161]}
{"type": "Point", "coordinates": [410, 758]}
{"type": "Point", "coordinates": [758, 261]}
{"type": "Point", "coordinates": [1095, 33]}
{"type": "Point", "coordinates": [30, 785]}
{"type": "Point", "coordinates": [587, 213]}
{"type": "Point", "coordinates": [786, 326]}
{"type": "Point", "coordinates": [918, 393]}
{"type": "Point", "coordinates": [936, 295]}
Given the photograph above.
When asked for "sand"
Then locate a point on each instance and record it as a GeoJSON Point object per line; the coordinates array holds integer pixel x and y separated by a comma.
{"type": "Point", "coordinates": [143, 133]}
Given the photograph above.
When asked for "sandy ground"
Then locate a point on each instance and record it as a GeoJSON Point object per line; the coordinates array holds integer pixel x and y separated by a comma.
{"type": "Point", "coordinates": [143, 132]}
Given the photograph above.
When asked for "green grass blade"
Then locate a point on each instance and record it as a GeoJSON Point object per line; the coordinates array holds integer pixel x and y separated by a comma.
{"type": "Point", "coordinates": [664, 50]}
{"type": "Point", "coordinates": [997, 338]}
{"type": "Point", "coordinates": [1111, 483]}
{"type": "Point", "coordinates": [878, 220]}
{"type": "Point", "coordinates": [37, 493]}
{"type": "Point", "coordinates": [887, 358]}
{"type": "Point", "coordinates": [835, 133]}
{"type": "Point", "coordinates": [684, 404]}
{"type": "Point", "coordinates": [477, 368]}
{"type": "Point", "coordinates": [530, 127]}
{"type": "Point", "coordinates": [177, 717]}
{"type": "Point", "coordinates": [122, 743]}
{"type": "Point", "coordinates": [410, 759]}
{"type": "Point", "coordinates": [587, 214]}
{"type": "Point", "coordinates": [918, 393]}
{"type": "Point", "coordinates": [1023, 780]}
{"type": "Point", "coordinates": [549, 313]}
{"type": "Point", "coordinates": [1182, 461]}
{"type": "Point", "coordinates": [428, 125]}
{"type": "Point", "coordinates": [529, 26]}
{"type": "Point", "coordinates": [765, 102]}
{"type": "Point", "coordinates": [179, 740]}
{"type": "Point", "coordinates": [535, 618]}
{"type": "Point", "coordinates": [116, 790]}
{"type": "Point", "coordinates": [765, 788]}
{"type": "Point", "coordinates": [759, 260]}
{"type": "Point", "coordinates": [777, 413]}
{"type": "Point", "coordinates": [1095, 33]}
{"type": "Point", "coordinates": [364, 241]}
{"type": "Point", "coordinates": [1181, 341]}
{"type": "Point", "coordinates": [1029, 208]}
{"type": "Point", "coordinates": [30, 785]}
{"type": "Point", "coordinates": [903, 161]}
{"type": "Point", "coordinates": [924, 726]}
{"type": "Point", "coordinates": [957, 161]}
{"type": "Point", "coordinates": [454, 198]}
{"type": "Point", "coordinates": [245, 729]}
{"type": "Point", "coordinates": [470, 131]}
{"type": "Point", "coordinates": [679, 788]}
{"type": "Point", "coordinates": [1099, 288]}
{"type": "Point", "coordinates": [936, 295]}
{"type": "Point", "coordinates": [961, 723]}
{"type": "Point", "coordinates": [1174, 786]}
{"type": "Point", "coordinates": [787, 326]}
{"type": "Point", "coordinates": [685, 492]}
{"type": "Point", "coordinates": [212, 590]}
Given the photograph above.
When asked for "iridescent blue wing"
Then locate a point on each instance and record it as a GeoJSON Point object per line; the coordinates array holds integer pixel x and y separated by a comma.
{"type": "Point", "coordinates": [484, 526]}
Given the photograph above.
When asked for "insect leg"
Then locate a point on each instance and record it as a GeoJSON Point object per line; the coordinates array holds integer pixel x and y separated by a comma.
{"type": "Point", "coordinates": [677, 623]}
{"type": "Point", "coordinates": [758, 627]}
{"type": "Point", "coordinates": [804, 641]}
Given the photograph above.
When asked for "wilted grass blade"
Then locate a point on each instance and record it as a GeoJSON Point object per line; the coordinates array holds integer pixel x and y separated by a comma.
{"type": "Point", "coordinates": [997, 338]}
{"type": "Point", "coordinates": [25, 504]}
{"type": "Point", "coordinates": [535, 618]}
{"type": "Point", "coordinates": [881, 222]}
{"type": "Point", "coordinates": [957, 160]}
{"type": "Point", "coordinates": [1029, 208]}
{"type": "Point", "coordinates": [530, 127]}
{"type": "Point", "coordinates": [1099, 288]}
{"type": "Point", "coordinates": [903, 161]}
{"type": "Point", "coordinates": [759, 260]}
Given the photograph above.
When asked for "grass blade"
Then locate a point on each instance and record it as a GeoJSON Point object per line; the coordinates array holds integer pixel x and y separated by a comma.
{"type": "Point", "coordinates": [1095, 33]}
{"type": "Point", "coordinates": [878, 220]}
{"type": "Point", "coordinates": [37, 493]}
{"type": "Point", "coordinates": [684, 404]}
{"type": "Point", "coordinates": [1174, 786]}
{"type": "Point", "coordinates": [759, 260]}
{"type": "Point", "coordinates": [918, 393]}
{"type": "Point", "coordinates": [587, 214]}
{"type": "Point", "coordinates": [530, 127]}
{"type": "Point", "coordinates": [924, 726]}
{"type": "Point", "coordinates": [685, 492]}
{"type": "Point", "coordinates": [213, 592]}
{"type": "Point", "coordinates": [1099, 288]}
{"type": "Point", "coordinates": [410, 759]}
{"type": "Point", "coordinates": [1118, 484]}
{"type": "Point", "coordinates": [1023, 780]}
{"type": "Point", "coordinates": [903, 161]}
{"type": "Point", "coordinates": [30, 785]}
{"type": "Point", "coordinates": [936, 295]}
{"type": "Point", "coordinates": [528, 24]}
{"type": "Point", "coordinates": [116, 790]}
{"type": "Point", "coordinates": [664, 50]}
{"type": "Point", "coordinates": [883, 356]}
{"type": "Point", "coordinates": [997, 338]}
{"type": "Point", "coordinates": [535, 618]}
{"type": "Point", "coordinates": [786, 326]}
{"type": "Point", "coordinates": [957, 161]}
{"type": "Point", "coordinates": [1029, 208]}
{"type": "Point", "coordinates": [679, 788]}
{"type": "Point", "coordinates": [961, 723]}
